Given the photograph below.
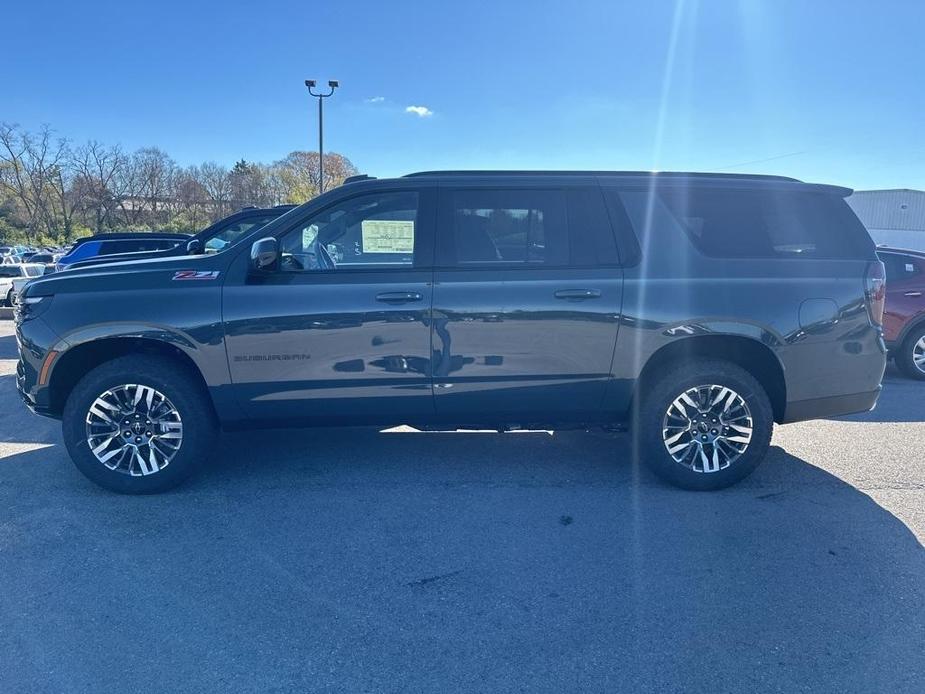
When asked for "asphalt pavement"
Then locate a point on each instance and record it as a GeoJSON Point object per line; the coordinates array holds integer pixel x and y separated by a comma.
{"type": "Point", "coordinates": [357, 561]}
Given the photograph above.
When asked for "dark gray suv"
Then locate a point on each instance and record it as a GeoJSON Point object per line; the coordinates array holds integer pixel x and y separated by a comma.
{"type": "Point", "coordinates": [698, 308]}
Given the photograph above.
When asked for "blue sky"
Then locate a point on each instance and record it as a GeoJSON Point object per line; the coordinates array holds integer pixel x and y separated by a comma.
{"type": "Point", "coordinates": [825, 90]}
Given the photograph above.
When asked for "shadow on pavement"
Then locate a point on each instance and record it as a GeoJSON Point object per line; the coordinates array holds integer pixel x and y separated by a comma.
{"type": "Point", "coordinates": [353, 560]}
{"type": "Point", "coordinates": [8, 347]}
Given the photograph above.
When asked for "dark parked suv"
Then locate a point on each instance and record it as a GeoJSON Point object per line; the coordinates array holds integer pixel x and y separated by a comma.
{"type": "Point", "coordinates": [210, 240]}
{"type": "Point", "coordinates": [699, 308]}
{"type": "Point", "coordinates": [904, 315]}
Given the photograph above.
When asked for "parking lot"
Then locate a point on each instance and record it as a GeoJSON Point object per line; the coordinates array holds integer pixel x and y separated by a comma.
{"type": "Point", "coordinates": [354, 560]}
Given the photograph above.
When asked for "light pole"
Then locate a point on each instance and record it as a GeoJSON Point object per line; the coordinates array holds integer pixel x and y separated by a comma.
{"type": "Point", "coordinates": [332, 84]}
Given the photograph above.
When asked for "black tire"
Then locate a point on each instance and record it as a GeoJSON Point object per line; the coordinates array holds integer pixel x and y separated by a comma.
{"type": "Point", "coordinates": [904, 355]}
{"type": "Point", "coordinates": [8, 301]}
{"type": "Point", "coordinates": [184, 392]}
{"type": "Point", "coordinates": [675, 380]}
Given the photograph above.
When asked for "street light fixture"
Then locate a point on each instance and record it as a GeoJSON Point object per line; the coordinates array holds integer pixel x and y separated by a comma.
{"type": "Point", "coordinates": [332, 85]}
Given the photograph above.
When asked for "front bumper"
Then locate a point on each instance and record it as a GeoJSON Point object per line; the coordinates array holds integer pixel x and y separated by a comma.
{"type": "Point", "coordinates": [34, 340]}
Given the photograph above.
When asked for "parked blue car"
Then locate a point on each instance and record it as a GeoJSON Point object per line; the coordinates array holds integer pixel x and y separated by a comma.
{"type": "Point", "coordinates": [125, 242]}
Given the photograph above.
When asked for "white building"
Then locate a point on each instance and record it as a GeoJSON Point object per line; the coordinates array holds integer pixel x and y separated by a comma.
{"type": "Point", "coordinates": [893, 217]}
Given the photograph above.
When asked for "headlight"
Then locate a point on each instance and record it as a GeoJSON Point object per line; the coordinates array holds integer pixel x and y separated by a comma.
{"type": "Point", "coordinates": [29, 307]}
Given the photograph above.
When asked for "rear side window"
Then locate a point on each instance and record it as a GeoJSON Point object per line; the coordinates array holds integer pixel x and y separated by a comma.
{"type": "Point", "coordinates": [725, 223]}
{"type": "Point", "coordinates": [136, 246]}
{"type": "Point", "coordinates": [508, 227]}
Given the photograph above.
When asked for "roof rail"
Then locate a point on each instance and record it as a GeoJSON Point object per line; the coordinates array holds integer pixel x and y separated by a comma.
{"type": "Point", "coordinates": [358, 177]}
{"type": "Point", "coordinates": [659, 174]}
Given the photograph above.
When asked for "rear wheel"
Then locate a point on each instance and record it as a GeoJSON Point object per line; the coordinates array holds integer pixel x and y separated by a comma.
{"type": "Point", "coordinates": [704, 424]}
{"type": "Point", "coordinates": [138, 425]}
{"type": "Point", "coordinates": [9, 298]}
{"type": "Point", "coordinates": [910, 357]}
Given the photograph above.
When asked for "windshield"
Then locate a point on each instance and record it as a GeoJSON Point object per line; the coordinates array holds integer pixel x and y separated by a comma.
{"type": "Point", "coordinates": [217, 240]}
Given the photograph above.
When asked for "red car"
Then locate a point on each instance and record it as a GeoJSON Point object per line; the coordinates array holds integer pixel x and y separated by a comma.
{"type": "Point", "coordinates": [904, 316]}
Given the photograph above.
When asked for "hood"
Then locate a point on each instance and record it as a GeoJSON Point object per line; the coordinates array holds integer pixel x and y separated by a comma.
{"type": "Point", "coordinates": [122, 257]}
{"type": "Point", "coordinates": [131, 274]}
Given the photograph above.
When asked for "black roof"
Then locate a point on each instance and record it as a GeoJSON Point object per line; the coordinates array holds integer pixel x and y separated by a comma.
{"type": "Point", "coordinates": [737, 180]}
{"type": "Point", "coordinates": [621, 174]}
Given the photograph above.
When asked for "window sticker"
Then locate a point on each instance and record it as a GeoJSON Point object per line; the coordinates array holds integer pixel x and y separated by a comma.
{"type": "Point", "coordinates": [910, 267]}
{"type": "Point", "coordinates": [387, 236]}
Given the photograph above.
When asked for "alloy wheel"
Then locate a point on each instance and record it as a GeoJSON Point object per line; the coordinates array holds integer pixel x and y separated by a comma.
{"type": "Point", "coordinates": [134, 429]}
{"type": "Point", "coordinates": [707, 428]}
{"type": "Point", "coordinates": [918, 354]}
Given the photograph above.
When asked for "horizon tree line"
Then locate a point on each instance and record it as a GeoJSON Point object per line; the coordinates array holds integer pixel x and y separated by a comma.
{"type": "Point", "coordinates": [53, 190]}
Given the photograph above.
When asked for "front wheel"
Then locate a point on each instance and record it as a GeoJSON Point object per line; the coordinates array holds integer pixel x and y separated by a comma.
{"type": "Point", "coordinates": [911, 355]}
{"type": "Point", "coordinates": [138, 425]}
{"type": "Point", "coordinates": [704, 424]}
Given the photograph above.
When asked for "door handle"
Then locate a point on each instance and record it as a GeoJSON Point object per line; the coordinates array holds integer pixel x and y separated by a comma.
{"type": "Point", "coordinates": [398, 297]}
{"type": "Point", "coordinates": [913, 294]}
{"type": "Point", "coordinates": [578, 294]}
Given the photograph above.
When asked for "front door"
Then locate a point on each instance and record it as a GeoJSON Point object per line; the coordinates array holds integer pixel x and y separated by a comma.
{"type": "Point", "coordinates": [527, 299]}
{"type": "Point", "coordinates": [340, 330]}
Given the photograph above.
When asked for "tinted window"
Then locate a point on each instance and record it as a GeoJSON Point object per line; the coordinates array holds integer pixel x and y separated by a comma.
{"type": "Point", "coordinates": [231, 233]}
{"type": "Point", "coordinates": [368, 231]}
{"type": "Point", "coordinates": [9, 271]}
{"type": "Point", "coordinates": [591, 239]}
{"type": "Point", "coordinates": [753, 224]}
{"type": "Point", "coordinates": [135, 246]}
{"type": "Point", "coordinates": [33, 271]}
{"type": "Point", "coordinates": [519, 227]}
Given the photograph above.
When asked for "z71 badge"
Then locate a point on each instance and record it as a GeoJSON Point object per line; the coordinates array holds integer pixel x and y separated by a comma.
{"type": "Point", "coordinates": [196, 275]}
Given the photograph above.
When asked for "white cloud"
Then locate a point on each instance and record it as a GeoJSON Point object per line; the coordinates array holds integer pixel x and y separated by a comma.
{"type": "Point", "coordinates": [421, 111]}
{"type": "Point", "coordinates": [375, 100]}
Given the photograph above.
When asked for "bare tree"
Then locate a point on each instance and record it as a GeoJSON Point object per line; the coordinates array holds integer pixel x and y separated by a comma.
{"type": "Point", "coordinates": [30, 168]}
{"type": "Point", "coordinates": [191, 198]}
{"type": "Point", "coordinates": [215, 180]}
{"type": "Point", "coordinates": [154, 176]}
{"type": "Point", "coordinates": [100, 176]}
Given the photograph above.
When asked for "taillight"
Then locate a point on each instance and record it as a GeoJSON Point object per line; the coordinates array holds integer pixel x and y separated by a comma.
{"type": "Point", "coordinates": [875, 290]}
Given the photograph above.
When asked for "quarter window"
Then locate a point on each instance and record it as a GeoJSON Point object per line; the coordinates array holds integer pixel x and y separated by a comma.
{"type": "Point", "coordinates": [727, 223]}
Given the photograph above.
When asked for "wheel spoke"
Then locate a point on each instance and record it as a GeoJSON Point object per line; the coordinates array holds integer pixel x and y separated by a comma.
{"type": "Point", "coordinates": [707, 428]}
{"type": "Point", "coordinates": [134, 429]}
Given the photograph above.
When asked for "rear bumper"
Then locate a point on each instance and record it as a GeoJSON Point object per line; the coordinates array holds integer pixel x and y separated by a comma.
{"type": "Point", "coordinates": [832, 406]}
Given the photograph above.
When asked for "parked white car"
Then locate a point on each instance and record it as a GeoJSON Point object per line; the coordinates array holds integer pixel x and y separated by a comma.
{"type": "Point", "coordinates": [14, 277]}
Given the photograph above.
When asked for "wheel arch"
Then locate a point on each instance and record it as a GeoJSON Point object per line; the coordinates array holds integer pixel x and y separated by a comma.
{"type": "Point", "coordinates": [73, 363]}
{"type": "Point", "coordinates": [910, 327]}
{"type": "Point", "coordinates": [750, 354]}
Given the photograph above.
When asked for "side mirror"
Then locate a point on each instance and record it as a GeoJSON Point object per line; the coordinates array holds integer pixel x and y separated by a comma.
{"type": "Point", "coordinates": [194, 247]}
{"type": "Point", "coordinates": [265, 254]}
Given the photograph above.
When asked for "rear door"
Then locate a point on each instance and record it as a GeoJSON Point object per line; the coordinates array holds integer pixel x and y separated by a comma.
{"type": "Point", "coordinates": [527, 299]}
